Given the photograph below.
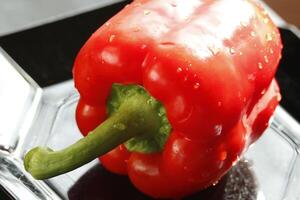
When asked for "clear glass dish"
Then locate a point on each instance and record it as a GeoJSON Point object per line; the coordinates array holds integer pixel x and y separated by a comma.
{"type": "Point", "coordinates": [269, 170]}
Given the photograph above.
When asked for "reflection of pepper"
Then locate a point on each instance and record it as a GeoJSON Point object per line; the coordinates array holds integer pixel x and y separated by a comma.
{"type": "Point", "coordinates": [210, 64]}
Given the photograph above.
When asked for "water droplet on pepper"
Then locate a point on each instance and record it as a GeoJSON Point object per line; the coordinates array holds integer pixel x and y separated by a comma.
{"type": "Point", "coordinates": [167, 43]}
{"type": "Point", "coordinates": [268, 37]}
{"type": "Point", "coordinates": [179, 70]}
{"type": "Point", "coordinates": [223, 155]}
{"type": "Point", "coordinates": [111, 38]}
{"type": "Point", "coordinates": [137, 29]}
{"type": "Point", "coordinates": [266, 20]}
{"type": "Point", "coordinates": [266, 59]}
{"type": "Point", "coordinates": [219, 103]}
{"type": "Point", "coordinates": [244, 24]}
{"type": "Point", "coordinates": [215, 183]}
{"type": "Point", "coordinates": [173, 4]}
{"type": "Point", "coordinates": [214, 50]}
{"type": "Point", "coordinates": [119, 126]}
{"type": "Point", "coordinates": [278, 97]}
{"type": "Point", "coordinates": [147, 12]}
{"type": "Point", "coordinates": [251, 77]}
{"type": "Point", "coordinates": [218, 129]}
{"type": "Point", "coordinates": [143, 46]}
{"type": "Point", "coordinates": [196, 86]}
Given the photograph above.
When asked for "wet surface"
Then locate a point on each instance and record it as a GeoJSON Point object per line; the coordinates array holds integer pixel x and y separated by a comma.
{"type": "Point", "coordinates": [47, 52]}
{"type": "Point", "coordinates": [238, 184]}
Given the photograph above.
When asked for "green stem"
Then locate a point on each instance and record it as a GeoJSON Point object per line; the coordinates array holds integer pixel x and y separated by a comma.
{"type": "Point", "coordinates": [134, 117]}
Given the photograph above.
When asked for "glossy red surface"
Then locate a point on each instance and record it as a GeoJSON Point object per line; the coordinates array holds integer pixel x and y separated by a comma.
{"type": "Point", "coordinates": [210, 63]}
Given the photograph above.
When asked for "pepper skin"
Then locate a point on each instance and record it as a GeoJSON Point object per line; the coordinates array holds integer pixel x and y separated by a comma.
{"type": "Point", "coordinates": [210, 63]}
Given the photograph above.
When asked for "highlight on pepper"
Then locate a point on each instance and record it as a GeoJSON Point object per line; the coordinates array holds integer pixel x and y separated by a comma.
{"type": "Point", "coordinates": [171, 92]}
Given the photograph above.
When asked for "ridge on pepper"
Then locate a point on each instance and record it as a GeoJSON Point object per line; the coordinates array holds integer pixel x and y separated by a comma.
{"type": "Point", "coordinates": [171, 92]}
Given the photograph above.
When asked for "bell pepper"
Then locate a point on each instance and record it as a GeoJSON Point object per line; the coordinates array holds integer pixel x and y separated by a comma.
{"type": "Point", "coordinates": [171, 93]}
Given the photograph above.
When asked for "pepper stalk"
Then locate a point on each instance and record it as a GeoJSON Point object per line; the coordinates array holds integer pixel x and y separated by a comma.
{"type": "Point", "coordinates": [134, 117]}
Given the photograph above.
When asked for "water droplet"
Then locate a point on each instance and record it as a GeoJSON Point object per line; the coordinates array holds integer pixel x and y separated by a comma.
{"type": "Point", "coordinates": [278, 97]}
{"type": "Point", "coordinates": [179, 69]}
{"type": "Point", "coordinates": [240, 53]}
{"type": "Point", "coordinates": [149, 101]}
{"type": "Point", "coordinates": [196, 86]}
{"type": "Point", "coordinates": [167, 43]}
{"type": "Point", "coordinates": [268, 37]}
{"type": "Point", "coordinates": [185, 78]}
{"type": "Point", "coordinates": [266, 59]}
{"type": "Point", "coordinates": [266, 20]}
{"type": "Point", "coordinates": [219, 103]}
{"type": "Point", "coordinates": [251, 77]}
{"type": "Point", "coordinates": [244, 99]}
{"type": "Point", "coordinates": [215, 183]}
{"type": "Point", "coordinates": [136, 29]}
{"type": "Point", "coordinates": [271, 51]}
{"type": "Point", "coordinates": [190, 65]}
{"type": "Point", "coordinates": [244, 24]}
{"type": "Point", "coordinates": [260, 65]}
{"type": "Point", "coordinates": [253, 34]}
{"type": "Point", "coordinates": [265, 12]}
{"type": "Point", "coordinates": [111, 38]}
{"type": "Point", "coordinates": [143, 46]}
{"type": "Point", "coordinates": [214, 50]}
{"type": "Point", "coordinates": [263, 92]}
{"type": "Point", "coordinates": [223, 155]}
{"type": "Point", "coordinates": [147, 12]}
{"type": "Point", "coordinates": [107, 24]}
{"type": "Point", "coordinates": [218, 129]}
{"type": "Point", "coordinates": [119, 126]}
{"type": "Point", "coordinates": [173, 4]}
{"type": "Point", "coordinates": [232, 50]}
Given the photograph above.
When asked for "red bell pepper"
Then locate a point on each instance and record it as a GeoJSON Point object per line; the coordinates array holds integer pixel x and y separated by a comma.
{"type": "Point", "coordinates": [195, 88]}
